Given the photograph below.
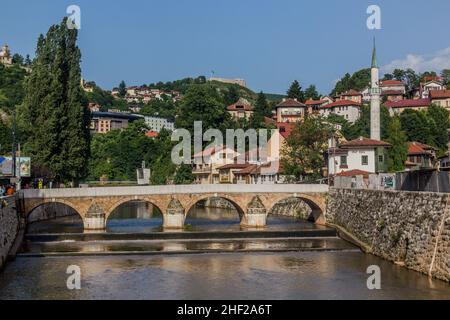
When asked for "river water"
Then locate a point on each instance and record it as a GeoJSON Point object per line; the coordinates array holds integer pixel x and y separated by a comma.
{"type": "Point", "coordinates": [253, 267]}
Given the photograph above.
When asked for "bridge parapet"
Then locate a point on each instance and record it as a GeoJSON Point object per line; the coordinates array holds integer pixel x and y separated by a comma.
{"type": "Point", "coordinates": [253, 202]}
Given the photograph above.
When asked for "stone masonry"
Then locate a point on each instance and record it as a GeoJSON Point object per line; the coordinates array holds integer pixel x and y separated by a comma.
{"type": "Point", "coordinates": [9, 227]}
{"type": "Point", "coordinates": [408, 228]}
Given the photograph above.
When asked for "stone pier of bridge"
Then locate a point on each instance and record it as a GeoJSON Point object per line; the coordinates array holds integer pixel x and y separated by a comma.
{"type": "Point", "coordinates": [253, 202]}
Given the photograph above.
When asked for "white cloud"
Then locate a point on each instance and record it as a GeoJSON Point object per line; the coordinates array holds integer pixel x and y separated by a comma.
{"type": "Point", "coordinates": [431, 62]}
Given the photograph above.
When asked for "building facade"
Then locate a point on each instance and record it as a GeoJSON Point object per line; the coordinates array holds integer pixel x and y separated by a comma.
{"type": "Point", "coordinates": [290, 111]}
{"type": "Point", "coordinates": [157, 124]}
{"type": "Point", "coordinates": [5, 56]}
{"type": "Point", "coordinates": [104, 122]}
{"type": "Point", "coordinates": [349, 110]}
{"type": "Point", "coordinates": [241, 109]}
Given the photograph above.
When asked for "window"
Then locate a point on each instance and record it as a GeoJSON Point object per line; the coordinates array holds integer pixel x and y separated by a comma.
{"type": "Point", "coordinates": [365, 160]}
{"type": "Point", "coordinates": [343, 160]}
{"type": "Point", "coordinates": [380, 158]}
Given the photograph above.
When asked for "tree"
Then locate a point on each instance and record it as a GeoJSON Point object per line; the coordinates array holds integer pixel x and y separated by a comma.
{"type": "Point", "coordinates": [311, 93]}
{"type": "Point", "coordinates": [398, 154]}
{"type": "Point", "coordinates": [357, 81]}
{"type": "Point", "coordinates": [28, 61]}
{"type": "Point", "coordinates": [295, 92]}
{"type": "Point", "coordinates": [122, 89]}
{"type": "Point", "coordinates": [183, 175]}
{"type": "Point", "coordinates": [416, 126]}
{"type": "Point", "coordinates": [445, 74]}
{"type": "Point", "coordinates": [202, 103]}
{"type": "Point", "coordinates": [232, 95]}
{"type": "Point", "coordinates": [388, 76]}
{"type": "Point", "coordinates": [262, 109]}
{"type": "Point", "coordinates": [18, 59]}
{"type": "Point", "coordinates": [439, 117]}
{"type": "Point", "coordinates": [303, 154]}
{"type": "Point", "coordinates": [56, 113]}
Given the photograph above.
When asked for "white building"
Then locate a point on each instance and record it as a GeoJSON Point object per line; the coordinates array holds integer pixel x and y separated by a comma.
{"type": "Point", "coordinates": [350, 110]}
{"type": "Point", "coordinates": [157, 124]}
{"type": "Point", "coordinates": [430, 86]}
{"type": "Point", "coordinates": [362, 154]}
{"type": "Point", "coordinates": [5, 56]}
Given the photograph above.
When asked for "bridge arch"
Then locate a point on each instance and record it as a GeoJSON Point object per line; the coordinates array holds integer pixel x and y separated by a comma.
{"type": "Point", "coordinates": [31, 209]}
{"type": "Point", "coordinates": [116, 205]}
{"type": "Point", "coordinates": [317, 205]}
{"type": "Point", "coordinates": [239, 208]}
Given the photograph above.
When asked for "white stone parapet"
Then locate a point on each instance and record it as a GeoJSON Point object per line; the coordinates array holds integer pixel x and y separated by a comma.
{"type": "Point", "coordinates": [174, 189]}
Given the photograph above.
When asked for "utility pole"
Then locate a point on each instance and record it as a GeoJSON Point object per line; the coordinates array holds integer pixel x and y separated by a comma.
{"type": "Point", "coordinates": [14, 146]}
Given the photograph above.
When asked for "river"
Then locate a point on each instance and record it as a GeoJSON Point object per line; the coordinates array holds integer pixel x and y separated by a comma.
{"type": "Point", "coordinates": [253, 266]}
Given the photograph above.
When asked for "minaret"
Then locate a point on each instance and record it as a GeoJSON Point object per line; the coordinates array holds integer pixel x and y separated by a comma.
{"type": "Point", "coordinates": [375, 92]}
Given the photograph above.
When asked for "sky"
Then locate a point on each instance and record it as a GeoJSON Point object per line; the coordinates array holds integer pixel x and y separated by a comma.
{"type": "Point", "coordinates": [269, 43]}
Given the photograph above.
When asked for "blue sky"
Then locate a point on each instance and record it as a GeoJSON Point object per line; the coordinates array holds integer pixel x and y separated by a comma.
{"type": "Point", "coordinates": [267, 42]}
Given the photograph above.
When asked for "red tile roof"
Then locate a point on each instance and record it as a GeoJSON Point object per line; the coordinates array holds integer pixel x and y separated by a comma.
{"type": "Point", "coordinates": [152, 134]}
{"type": "Point", "coordinates": [391, 83]}
{"type": "Point", "coordinates": [351, 93]}
{"type": "Point", "coordinates": [408, 103]}
{"type": "Point", "coordinates": [364, 142]}
{"type": "Point", "coordinates": [242, 104]}
{"type": "Point", "coordinates": [285, 128]}
{"type": "Point", "coordinates": [233, 166]}
{"type": "Point", "coordinates": [341, 103]}
{"type": "Point", "coordinates": [291, 103]}
{"type": "Point", "coordinates": [315, 102]}
{"type": "Point", "coordinates": [392, 93]}
{"type": "Point", "coordinates": [353, 173]}
{"type": "Point", "coordinates": [417, 148]}
{"type": "Point", "coordinates": [440, 94]}
{"type": "Point", "coordinates": [209, 152]}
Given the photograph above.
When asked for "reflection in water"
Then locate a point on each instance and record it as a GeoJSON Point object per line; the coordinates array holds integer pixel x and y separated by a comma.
{"type": "Point", "coordinates": [304, 275]}
{"type": "Point", "coordinates": [142, 217]}
{"type": "Point", "coordinates": [135, 217]}
{"type": "Point", "coordinates": [294, 244]}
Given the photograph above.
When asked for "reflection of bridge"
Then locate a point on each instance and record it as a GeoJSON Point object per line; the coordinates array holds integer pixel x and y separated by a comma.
{"type": "Point", "coordinates": [253, 202]}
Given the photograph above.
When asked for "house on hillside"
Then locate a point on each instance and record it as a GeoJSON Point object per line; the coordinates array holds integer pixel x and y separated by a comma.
{"type": "Point", "coordinates": [362, 154]}
{"type": "Point", "coordinates": [397, 107]}
{"type": "Point", "coordinates": [349, 110]}
{"type": "Point", "coordinates": [421, 156]}
{"type": "Point", "coordinates": [241, 109]}
{"type": "Point", "coordinates": [290, 111]}
{"type": "Point", "coordinates": [441, 98]}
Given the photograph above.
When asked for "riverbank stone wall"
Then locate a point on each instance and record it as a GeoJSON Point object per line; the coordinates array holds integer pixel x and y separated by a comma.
{"type": "Point", "coordinates": [408, 228]}
{"type": "Point", "coordinates": [9, 227]}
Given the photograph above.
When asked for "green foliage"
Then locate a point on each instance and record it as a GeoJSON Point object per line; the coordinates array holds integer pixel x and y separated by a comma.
{"type": "Point", "coordinates": [117, 154]}
{"type": "Point", "coordinates": [12, 89]}
{"type": "Point", "coordinates": [296, 92]}
{"type": "Point", "coordinates": [357, 81]}
{"type": "Point", "coordinates": [303, 155]}
{"type": "Point", "coordinates": [361, 128]}
{"type": "Point", "coordinates": [160, 108]}
{"type": "Point", "coordinates": [445, 74]}
{"type": "Point", "coordinates": [202, 103]}
{"type": "Point", "coordinates": [122, 89]}
{"type": "Point", "coordinates": [232, 95]}
{"type": "Point", "coordinates": [55, 112]}
{"type": "Point", "coordinates": [105, 99]}
{"type": "Point", "coordinates": [262, 109]}
{"type": "Point", "coordinates": [439, 117]}
{"type": "Point", "coordinates": [398, 153]}
{"type": "Point", "coordinates": [312, 93]}
{"type": "Point", "coordinates": [417, 126]}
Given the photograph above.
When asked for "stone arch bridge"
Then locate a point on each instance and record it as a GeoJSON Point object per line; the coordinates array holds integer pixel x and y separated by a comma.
{"type": "Point", "coordinates": [253, 202]}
